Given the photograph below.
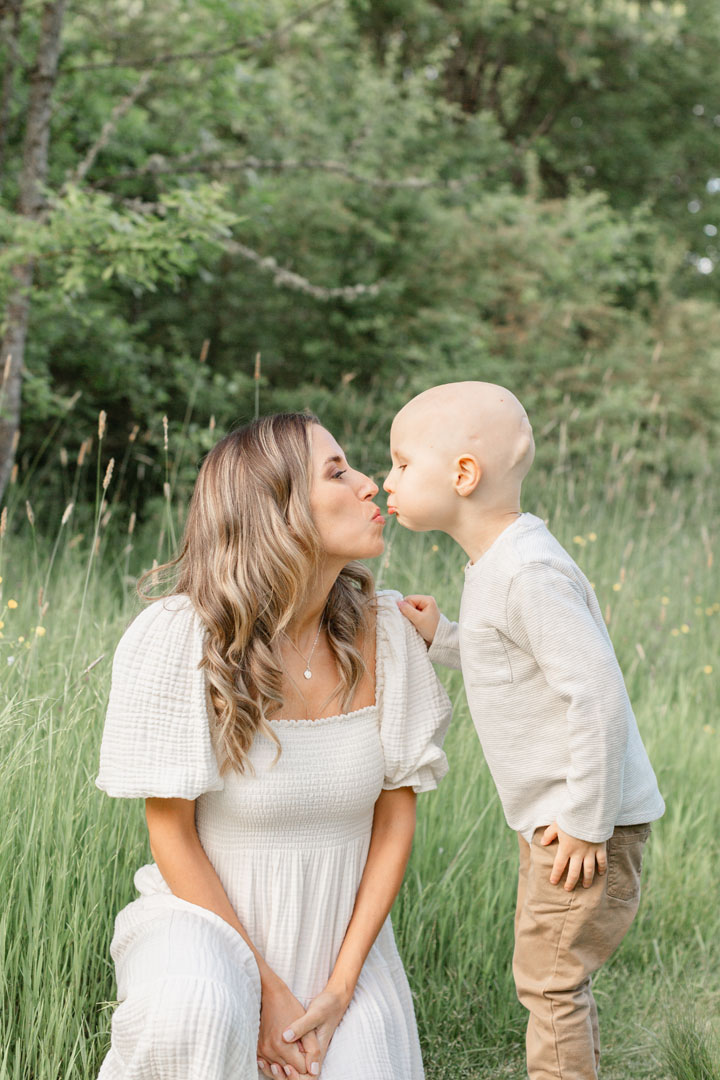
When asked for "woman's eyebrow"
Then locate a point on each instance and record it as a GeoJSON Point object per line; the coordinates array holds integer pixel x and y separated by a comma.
{"type": "Point", "coordinates": [336, 459]}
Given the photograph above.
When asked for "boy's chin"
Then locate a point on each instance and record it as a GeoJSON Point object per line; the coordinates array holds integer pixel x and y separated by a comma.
{"type": "Point", "coordinates": [413, 526]}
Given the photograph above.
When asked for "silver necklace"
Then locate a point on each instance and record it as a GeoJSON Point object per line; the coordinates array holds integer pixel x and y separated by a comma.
{"type": "Point", "coordinates": [307, 672]}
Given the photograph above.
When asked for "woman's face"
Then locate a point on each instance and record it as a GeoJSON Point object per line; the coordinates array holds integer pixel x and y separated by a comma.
{"type": "Point", "coordinates": [348, 521]}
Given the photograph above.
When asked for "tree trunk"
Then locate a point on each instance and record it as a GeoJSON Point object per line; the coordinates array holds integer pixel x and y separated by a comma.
{"type": "Point", "coordinates": [10, 15]}
{"type": "Point", "coordinates": [30, 204]}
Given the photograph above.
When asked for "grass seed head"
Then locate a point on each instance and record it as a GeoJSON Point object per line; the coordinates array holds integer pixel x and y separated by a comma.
{"type": "Point", "coordinates": [102, 418]}
{"type": "Point", "coordinates": [108, 473]}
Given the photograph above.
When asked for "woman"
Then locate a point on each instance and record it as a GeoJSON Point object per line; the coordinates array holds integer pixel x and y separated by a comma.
{"type": "Point", "coordinates": [278, 717]}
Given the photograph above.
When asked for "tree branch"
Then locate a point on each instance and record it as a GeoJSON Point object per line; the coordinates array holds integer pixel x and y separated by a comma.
{"type": "Point", "coordinates": [288, 279]}
{"type": "Point", "coordinates": [157, 165]}
{"type": "Point", "coordinates": [207, 54]}
{"type": "Point", "coordinates": [109, 127]}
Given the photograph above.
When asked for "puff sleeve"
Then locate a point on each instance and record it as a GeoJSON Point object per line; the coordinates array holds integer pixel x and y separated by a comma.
{"type": "Point", "coordinates": [414, 709]}
{"type": "Point", "coordinates": [156, 740]}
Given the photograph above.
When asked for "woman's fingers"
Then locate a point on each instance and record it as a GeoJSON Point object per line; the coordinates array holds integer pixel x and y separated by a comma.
{"type": "Point", "coordinates": [300, 1027]}
{"type": "Point", "coordinates": [313, 1053]}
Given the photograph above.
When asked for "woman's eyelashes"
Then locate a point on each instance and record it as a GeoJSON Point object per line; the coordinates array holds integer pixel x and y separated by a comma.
{"type": "Point", "coordinates": [338, 474]}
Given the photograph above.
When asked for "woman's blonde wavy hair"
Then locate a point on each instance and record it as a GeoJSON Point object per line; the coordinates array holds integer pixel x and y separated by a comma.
{"type": "Point", "coordinates": [249, 550]}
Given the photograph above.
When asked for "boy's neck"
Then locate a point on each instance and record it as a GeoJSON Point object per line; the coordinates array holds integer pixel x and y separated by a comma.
{"type": "Point", "coordinates": [480, 527]}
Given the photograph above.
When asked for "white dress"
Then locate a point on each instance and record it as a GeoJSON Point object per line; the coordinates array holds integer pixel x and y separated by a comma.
{"type": "Point", "coordinates": [289, 843]}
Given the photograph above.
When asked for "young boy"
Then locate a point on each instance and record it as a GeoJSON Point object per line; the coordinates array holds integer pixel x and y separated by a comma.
{"type": "Point", "coordinates": [547, 699]}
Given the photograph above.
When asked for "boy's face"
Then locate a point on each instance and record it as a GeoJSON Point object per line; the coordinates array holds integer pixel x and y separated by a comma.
{"type": "Point", "coordinates": [419, 485]}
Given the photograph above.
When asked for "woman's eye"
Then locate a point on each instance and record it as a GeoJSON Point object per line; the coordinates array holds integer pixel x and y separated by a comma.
{"type": "Point", "coordinates": [341, 472]}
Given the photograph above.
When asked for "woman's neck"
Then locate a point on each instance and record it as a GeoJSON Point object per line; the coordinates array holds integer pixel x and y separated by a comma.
{"type": "Point", "coordinates": [304, 625]}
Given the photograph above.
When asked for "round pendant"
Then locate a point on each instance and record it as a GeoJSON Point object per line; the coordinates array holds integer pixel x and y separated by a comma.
{"type": "Point", "coordinates": [307, 673]}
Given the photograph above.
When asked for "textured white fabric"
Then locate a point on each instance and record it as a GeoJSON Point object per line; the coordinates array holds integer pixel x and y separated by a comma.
{"type": "Point", "coordinates": [545, 691]}
{"type": "Point", "coordinates": [289, 842]}
{"type": "Point", "coordinates": [156, 739]}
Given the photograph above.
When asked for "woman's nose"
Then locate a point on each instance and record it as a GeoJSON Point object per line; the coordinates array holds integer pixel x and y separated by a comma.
{"type": "Point", "coordinates": [368, 487]}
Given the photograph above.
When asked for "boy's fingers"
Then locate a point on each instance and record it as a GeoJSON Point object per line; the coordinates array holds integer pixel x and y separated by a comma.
{"type": "Point", "coordinates": [549, 835]}
{"type": "Point", "coordinates": [418, 601]}
{"type": "Point", "coordinates": [588, 870]}
{"type": "Point", "coordinates": [557, 868]}
{"type": "Point", "coordinates": [574, 871]}
{"type": "Point", "coordinates": [601, 856]}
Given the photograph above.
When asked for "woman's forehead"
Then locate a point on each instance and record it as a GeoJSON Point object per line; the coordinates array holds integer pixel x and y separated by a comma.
{"type": "Point", "coordinates": [324, 445]}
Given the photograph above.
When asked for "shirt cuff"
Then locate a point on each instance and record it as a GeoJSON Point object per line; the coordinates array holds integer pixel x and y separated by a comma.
{"type": "Point", "coordinates": [445, 646]}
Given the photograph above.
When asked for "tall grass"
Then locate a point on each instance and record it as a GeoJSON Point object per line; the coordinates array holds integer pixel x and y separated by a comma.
{"type": "Point", "coordinates": [68, 853]}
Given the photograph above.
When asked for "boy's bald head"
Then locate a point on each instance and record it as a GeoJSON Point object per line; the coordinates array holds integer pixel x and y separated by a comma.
{"type": "Point", "coordinates": [479, 419]}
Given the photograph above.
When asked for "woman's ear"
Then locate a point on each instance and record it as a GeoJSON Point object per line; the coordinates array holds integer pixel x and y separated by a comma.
{"type": "Point", "coordinates": [467, 475]}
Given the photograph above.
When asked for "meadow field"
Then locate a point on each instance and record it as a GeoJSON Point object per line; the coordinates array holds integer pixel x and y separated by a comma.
{"type": "Point", "coordinates": [68, 853]}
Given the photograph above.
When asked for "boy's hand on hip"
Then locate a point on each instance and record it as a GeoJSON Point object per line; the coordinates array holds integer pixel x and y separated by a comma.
{"type": "Point", "coordinates": [579, 856]}
{"type": "Point", "coordinates": [423, 613]}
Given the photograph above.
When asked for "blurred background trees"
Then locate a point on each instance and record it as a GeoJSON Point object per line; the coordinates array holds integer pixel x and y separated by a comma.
{"type": "Point", "coordinates": [375, 195]}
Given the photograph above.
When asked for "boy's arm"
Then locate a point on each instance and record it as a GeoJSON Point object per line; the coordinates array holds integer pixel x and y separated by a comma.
{"type": "Point", "coordinates": [441, 635]}
{"type": "Point", "coordinates": [549, 617]}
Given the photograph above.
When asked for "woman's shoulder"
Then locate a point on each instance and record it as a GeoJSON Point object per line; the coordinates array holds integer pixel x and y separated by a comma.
{"type": "Point", "coordinates": [174, 613]}
{"type": "Point", "coordinates": [167, 632]}
{"type": "Point", "coordinates": [391, 620]}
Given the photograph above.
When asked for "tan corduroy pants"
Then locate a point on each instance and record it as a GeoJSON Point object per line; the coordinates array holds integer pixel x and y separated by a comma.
{"type": "Point", "coordinates": [561, 939]}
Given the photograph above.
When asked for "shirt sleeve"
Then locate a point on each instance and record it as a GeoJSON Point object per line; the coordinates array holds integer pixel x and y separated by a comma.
{"type": "Point", "coordinates": [156, 740]}
{"type": "Point", "coordinates": [550, 618]}
{"type": "Point", "coordinates": [415, 710]}
{"type": "Point", "coordinates": [445, 646]}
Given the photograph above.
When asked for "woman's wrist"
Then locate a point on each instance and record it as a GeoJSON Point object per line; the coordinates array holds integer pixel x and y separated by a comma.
{"type": "Point", "coordinates": [342, 985]}
{"type": "Point", "coordinates": [269, 979]}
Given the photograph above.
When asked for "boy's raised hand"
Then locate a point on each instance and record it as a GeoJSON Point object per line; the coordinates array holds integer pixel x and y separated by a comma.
{"type": "Point", "coordinates": [423, 613]}
{"type": "Point", "coordinates": [579, 856]}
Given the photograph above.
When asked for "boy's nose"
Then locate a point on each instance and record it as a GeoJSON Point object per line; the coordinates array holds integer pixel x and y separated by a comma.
{"type": "Point", "coordinates": [386, 485]}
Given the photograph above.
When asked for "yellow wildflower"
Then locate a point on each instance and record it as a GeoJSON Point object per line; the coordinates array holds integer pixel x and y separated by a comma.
{"type": "Point", "coordinates": [435, 548]}
{"type": "Point", "coordinates": [592, 537]}
{"type": "Point", "coordinates": [707, 728]}
{"type": "Point", "coordinates": [579, 540]}
{"type": "Point", "coordinates": [12, 604]}
{"type": "Point", "coordinates": [617, 587]}
{"type": "Point", "coordinates": [707, 670]}
{"type": "Point", "coordinates": [675, 632]}
{"type": "Point", "coordinates": [20, 639]}
{"type": "Point", "coordinates": [40, 631]}
{"type": "Point", "coordinates": [665, 600]}
{"type": "Point", "coordinates": [685, 629]}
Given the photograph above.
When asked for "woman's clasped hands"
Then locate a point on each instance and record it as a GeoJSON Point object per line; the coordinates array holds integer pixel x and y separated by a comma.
{"type": "Point", "coordinates": [293, 1042]}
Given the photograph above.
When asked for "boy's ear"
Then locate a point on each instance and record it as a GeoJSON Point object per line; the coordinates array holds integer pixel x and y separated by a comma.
{"type": "Point", "coordinates": [467, 475]}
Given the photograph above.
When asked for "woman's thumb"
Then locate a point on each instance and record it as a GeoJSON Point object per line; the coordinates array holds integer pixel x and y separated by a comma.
{"type": "Point", "coordinates": [299, 1028]}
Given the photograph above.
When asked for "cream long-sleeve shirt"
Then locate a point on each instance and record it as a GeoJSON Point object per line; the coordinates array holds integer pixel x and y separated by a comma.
{"type": "Point", "coordinates": [545, 690]}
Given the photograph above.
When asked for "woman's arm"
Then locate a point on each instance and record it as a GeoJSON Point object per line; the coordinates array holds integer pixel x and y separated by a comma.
{"type": "Point", "coordinates": [183, 863]}
{"type": "Point", "coordinates": [390, 846]}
